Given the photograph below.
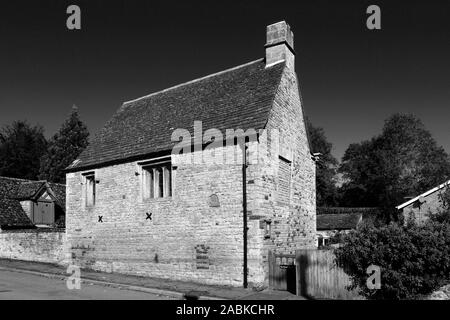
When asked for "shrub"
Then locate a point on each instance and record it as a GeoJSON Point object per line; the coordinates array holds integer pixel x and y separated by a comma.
{"type": "Point", "coordinates": [414, 260]}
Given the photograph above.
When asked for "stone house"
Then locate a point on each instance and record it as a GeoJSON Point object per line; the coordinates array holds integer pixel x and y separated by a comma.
{"type": "Point", "coordinates": [142, 201]}
{"type": "Point", "coordinates": [419, 208]}
{"type": "Point", "coordinates": [26, 204]}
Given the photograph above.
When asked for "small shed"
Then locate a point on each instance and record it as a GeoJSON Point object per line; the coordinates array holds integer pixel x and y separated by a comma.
{"type": "Point", "coordinates": [30, 204]}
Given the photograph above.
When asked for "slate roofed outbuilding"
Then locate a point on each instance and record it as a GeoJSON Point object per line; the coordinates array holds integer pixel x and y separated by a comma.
{"type": "Point", "coordinates": [13, 190]}
{"type": "Point", "coordinates": [238, 98]}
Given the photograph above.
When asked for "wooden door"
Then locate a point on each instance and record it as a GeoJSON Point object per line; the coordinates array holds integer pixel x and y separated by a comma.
{"type": "Point", "coordinates": [44, 212]}
{"type": "Point", "coordinates": [282, 275]}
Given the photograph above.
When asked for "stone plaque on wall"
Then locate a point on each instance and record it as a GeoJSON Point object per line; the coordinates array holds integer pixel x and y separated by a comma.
{"type": "Point", "coordinates": [213, 201]}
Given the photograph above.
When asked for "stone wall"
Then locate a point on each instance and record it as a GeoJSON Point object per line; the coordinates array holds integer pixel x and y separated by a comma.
{"type": "Point", "coordinates": [187, 238]}
{"type": "Point", "coordinates": [293, 222]}
{"type": "Point", "coordinates": [42, 245]}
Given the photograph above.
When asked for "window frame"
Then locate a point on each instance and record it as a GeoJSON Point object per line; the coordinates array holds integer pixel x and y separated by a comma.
{"type": "Point", "coordinates": [267, 229]}
{"type": "Point", "coordinates": [157, 169]}
{"type": "Point", "coordinates": [87, 178]}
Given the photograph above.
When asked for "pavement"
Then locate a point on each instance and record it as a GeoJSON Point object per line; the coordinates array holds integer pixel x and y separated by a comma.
{"type": "Point", "coordinates": [119, 286]}
{"type": "Point", "coordinates": [24, 286]}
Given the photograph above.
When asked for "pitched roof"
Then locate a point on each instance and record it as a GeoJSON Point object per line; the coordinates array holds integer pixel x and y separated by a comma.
{"type": "Point", "coordinates": [13, 190]}
{"type": "Point", "coordinates": [237, 98]}
{"type": "Point", "coordinates": [11, 212]}
{"type": "Point", "coordinates": [59, 190]}
{"type": "Point", "coordinates": [368, 213]}
{"type": "Point", "coordinates": [28, 189]}
{"type": "Point", "coordinates": [339, 221]}
{"type": "Point", "coordinates": [425, 194]}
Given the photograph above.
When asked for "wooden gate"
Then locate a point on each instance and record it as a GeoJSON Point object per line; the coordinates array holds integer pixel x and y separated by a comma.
{"type": "Point", "coordinates": [319, 277]}
{"type": "Point", "coordinates": [282, 274]}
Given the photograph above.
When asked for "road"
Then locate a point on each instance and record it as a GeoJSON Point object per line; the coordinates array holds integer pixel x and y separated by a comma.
{"type": "Point", "coordinates": [22, 286]}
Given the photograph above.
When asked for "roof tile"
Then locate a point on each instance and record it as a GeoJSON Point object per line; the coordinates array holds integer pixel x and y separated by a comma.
{"type": "Point", "coordinates": [338, 221]}
{"type": "Point", "coordinates": [238, 98]}
{"type": "Point", "coordinates": [13, 190]}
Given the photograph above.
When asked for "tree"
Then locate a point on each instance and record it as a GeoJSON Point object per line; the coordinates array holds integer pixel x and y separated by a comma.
{"type": "Point", "coordinates": [326, 194]}
{"type": "Point", "coordinates": [404, 160]}
{"type": "Point", "coordinates": [326, 166]}
{"type": "Point", "coordinates": [21, 147]}
{"type": "Point", "coordinates": [413, 260]}
{"type": "Point", "coordinates": [63, 148]}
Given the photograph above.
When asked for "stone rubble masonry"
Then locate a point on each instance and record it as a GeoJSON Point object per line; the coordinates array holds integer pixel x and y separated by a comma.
{"type": "Point", "coordinates": [187, 238]}
{"type": "Point", "coordinates": [42, 245]}
{"type": "Point", "coordinates": [293, 225]}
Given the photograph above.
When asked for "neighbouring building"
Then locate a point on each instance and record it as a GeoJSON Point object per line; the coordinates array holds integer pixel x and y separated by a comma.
{"type": "Point", "coordinates": [29, 204]}
{"type": "Point", "coordinates": [138, 205]}
{"type": "Point", "coordinates": [332, 221]}
{"type": "Point", "coordinates": [419, 208]}
{"type": "Point", "coordinates": [32, 215]}
{"type": "Point", "coordinates": [328, 225]}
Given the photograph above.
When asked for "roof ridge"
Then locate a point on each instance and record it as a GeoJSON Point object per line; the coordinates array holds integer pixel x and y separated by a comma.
{"type": "Point", "coordinates": [31, 181]}
{"type": "Point", "coordinates": [17, 179]}
{"type": "Point", "coordinates": [193, 81]}
{"type": "Point", "coordinates": [34, 181]}
{"type": "Point", "coordinates": [61, 184]}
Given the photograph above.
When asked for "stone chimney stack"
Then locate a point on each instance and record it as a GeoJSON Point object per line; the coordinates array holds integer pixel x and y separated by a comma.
{"type": "Point", "coordinates": [280, 44]}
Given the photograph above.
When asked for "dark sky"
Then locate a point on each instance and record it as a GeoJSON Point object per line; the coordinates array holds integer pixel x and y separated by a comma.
{"type": "Point", "coordinates": [351, 78]}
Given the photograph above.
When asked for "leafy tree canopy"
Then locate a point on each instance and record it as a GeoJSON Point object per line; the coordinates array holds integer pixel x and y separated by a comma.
{"type": "Point", "coordinates": [21, 147]}
{"type": "Point", "coordinates": [403, 160]}
{"type": "Point", "coordinates": [326, 194]}
{"type": "Point", "coordinates": [63, 148]}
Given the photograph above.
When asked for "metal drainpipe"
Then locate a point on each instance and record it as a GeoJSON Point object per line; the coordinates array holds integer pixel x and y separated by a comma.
{"type": "Point", "coordinates": [244, 205]}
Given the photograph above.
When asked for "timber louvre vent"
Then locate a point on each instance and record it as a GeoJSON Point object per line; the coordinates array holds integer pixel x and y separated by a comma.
{"type": "Point", "coordinates": [284, 181]}
{"type": "Point", "coordinates": [201, 256]}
